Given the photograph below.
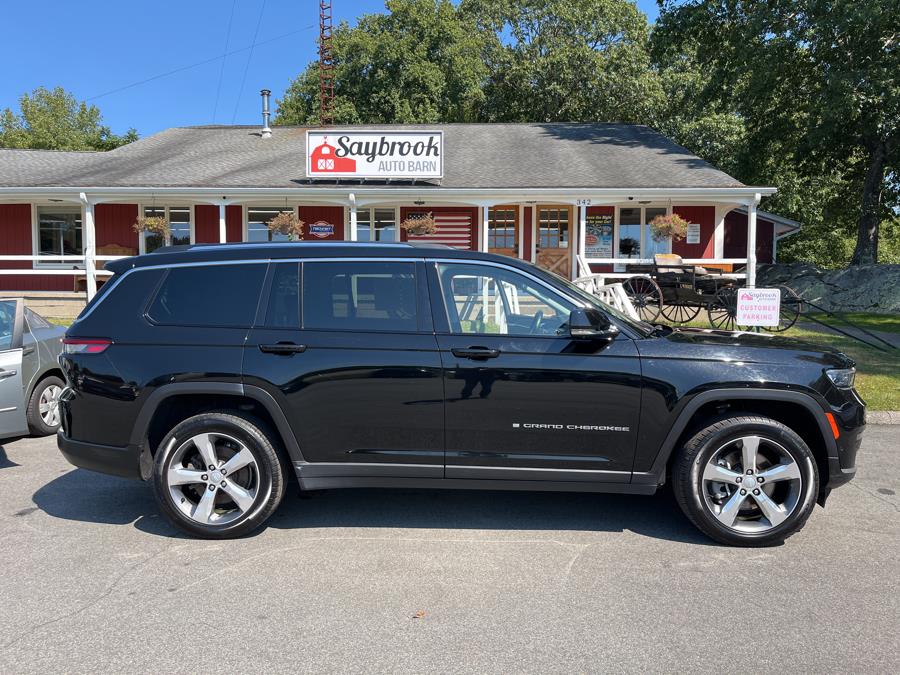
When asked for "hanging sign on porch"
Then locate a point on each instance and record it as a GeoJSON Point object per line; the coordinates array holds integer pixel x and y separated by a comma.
{"type": "Point", "coordinates": [758, 306]}
{"type": "Point", "coordinates": [598, 239]}
{"type": "Point", "coordinates": [693, 233]}
{"type": "Point", "coordinates": [374, 154]}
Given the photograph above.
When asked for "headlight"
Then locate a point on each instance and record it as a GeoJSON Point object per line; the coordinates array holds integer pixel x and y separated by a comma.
{"type": "Point", "coordinates": [842, 378]}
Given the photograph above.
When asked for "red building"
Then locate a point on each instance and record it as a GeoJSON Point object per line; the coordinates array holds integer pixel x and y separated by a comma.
{"type": "Point", "coordinates": [555, 194]}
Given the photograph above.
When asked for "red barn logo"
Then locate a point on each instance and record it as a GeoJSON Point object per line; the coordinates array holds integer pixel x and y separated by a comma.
{"type": "Point", "coordinates": [323, 160]}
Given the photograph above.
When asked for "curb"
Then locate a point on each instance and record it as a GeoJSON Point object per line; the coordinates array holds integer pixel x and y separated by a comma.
{"type": "Point", "coordinates": [883, 417]}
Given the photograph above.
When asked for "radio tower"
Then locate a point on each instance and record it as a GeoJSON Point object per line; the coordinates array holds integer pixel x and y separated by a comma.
{"type": "Point", "coordinates": [326, 66]}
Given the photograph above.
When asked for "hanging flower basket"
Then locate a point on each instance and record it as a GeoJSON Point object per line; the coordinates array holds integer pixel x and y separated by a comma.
{"type": "Point", "coordinates": [420, 225]}
{"type": "Point", "coordinates": [672, 227]}
{"type": "Point", "coordinates": [154, 225]}
{"type": "Point", "coordinates": [287, 223]}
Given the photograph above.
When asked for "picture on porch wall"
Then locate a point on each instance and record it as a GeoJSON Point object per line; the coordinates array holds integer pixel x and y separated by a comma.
{"type": "Point", "coordinates": [598, 239]}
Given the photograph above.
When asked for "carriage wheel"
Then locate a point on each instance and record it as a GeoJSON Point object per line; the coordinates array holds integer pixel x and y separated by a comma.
{"type": "Point", "coordinates": [722, 311]}
{"type": "Point", "coordinates": [680, 313]}
{"type": "Point", "coordinates": [791, 306]}
{"type": "Point", "coordinates": [645, 295]}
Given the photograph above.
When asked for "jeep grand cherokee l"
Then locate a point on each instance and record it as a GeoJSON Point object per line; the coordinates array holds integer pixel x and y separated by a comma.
{"type": "Point", "coordinates": [216, 371]}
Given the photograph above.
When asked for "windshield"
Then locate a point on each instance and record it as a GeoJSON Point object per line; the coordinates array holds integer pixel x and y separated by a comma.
{"type": "Point", "coordinates": [641, 327]}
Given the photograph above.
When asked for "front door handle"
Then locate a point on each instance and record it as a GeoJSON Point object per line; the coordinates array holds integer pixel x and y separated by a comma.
{"type": "Point", "coordinates": [284, 348]}
{"type": "Point", "coordinates": [476, 353]}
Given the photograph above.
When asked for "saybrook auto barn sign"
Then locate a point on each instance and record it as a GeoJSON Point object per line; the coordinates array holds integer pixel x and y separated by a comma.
{"type": "Point", "coordinates": [374, 154]}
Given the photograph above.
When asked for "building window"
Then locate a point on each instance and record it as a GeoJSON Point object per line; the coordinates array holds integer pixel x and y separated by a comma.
{"type": "Point", "coordinates": [59, 231]}
{"type": "Point", "coordinates": [376, 225]}
{"type": "Point", "coordinates": [553, 226]}
{"type": "Point", "coordinates": [502, 228]}
{"type": "Point", "coordinates": [257, 227]}
{"type": "Point", "coordinates": [179, 218]}
{"type": "Point", "coordinates": [635, 238]}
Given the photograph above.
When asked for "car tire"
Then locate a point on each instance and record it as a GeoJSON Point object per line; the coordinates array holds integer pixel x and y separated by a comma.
{"type": "Point", "coordinates": [42, 412]}
{"type": "Point", "coordinates": [746, 481]}
{"type": "Point", "coordinates": [233, 498]}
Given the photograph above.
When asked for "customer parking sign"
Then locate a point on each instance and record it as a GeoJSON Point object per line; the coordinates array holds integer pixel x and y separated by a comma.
{"type": "Point", "coordinates": [758, 306]}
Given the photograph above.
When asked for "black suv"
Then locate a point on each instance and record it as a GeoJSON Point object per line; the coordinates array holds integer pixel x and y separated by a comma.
{"type": "Point", "coordinates": [215, 370]}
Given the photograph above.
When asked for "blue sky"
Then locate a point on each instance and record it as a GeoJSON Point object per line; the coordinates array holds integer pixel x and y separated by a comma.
{"type": "Point", "coordinates": [95, 47]}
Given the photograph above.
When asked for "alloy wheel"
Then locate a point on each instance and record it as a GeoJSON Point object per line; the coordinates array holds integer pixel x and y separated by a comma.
{"type": "Point", "coordinates": [48, 405]}
{"type": "Point", "coordinates": [213, 478]}
{"type": "Point", "coordinates": [751, 484]}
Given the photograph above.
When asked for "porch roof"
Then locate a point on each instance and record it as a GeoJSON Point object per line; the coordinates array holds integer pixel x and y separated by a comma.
{"type": "Point", "coordinates": [478, 156]}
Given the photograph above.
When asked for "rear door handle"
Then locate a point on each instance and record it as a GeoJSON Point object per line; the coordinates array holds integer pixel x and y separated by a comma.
{"type": "Point", "coordinates": [285, 348]}
{"type": "Point", "coordinates": [7, 373]}
{"type": "Point", "coordinates": [476, 353]}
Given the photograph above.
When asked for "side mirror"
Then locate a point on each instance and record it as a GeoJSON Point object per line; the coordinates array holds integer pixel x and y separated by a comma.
{"type": "Point", "coordinates": [591, 324]}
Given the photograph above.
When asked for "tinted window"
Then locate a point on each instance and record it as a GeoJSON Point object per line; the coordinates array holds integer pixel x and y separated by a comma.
{"type": "Point", "coordinates": [7, 322]}
{"type": "Point", "coordinates": [216, 295]}
{"type": "Point", "coordinates": [359, 295]}
{"type": "Point", "coordinates": [284, 298]}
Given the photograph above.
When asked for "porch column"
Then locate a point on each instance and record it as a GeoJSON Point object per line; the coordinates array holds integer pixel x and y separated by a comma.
{"type": "Point", "coordinates": [354, 235]}
{"type": "Point", "coordinates": [582, 245]}
{"type": "Point", "coordinates": [483, 228]}
{"type": "Point", "coordinates": [751, 241]}
{"type": "Point", "coordinates": [223, 230]}
{"type": "Point", "coordinates": [90, 247]}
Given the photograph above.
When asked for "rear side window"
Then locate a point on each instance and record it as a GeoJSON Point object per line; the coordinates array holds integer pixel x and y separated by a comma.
{"type": "Point", "coordinates": [213, 295]}
{"type": "Point", "coordinates": [284, 298]}
{"type": "Point", "coordinates": [378, 296]}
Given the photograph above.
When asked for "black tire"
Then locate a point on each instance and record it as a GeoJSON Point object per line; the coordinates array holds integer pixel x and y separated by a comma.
{"type": "Point", "coordinates": [36, 424]}
{"type": "Point", "coordinates": [692, 490]}
{"type": "Point", "coordinates": [266, 478]}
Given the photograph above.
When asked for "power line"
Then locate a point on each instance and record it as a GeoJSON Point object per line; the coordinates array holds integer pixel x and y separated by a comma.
{"type": "Point", "coordinates": [199, 63]}
{"type": "Point", "coordinates": [247, 65]}
{"type": "Point", "coordinates": [222, 67]}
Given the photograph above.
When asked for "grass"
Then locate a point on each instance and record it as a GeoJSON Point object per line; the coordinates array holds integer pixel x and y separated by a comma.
{"type": "Point", "coordinates": [877, 372]}
{"type": "Point", "coordinates": [887, 323]}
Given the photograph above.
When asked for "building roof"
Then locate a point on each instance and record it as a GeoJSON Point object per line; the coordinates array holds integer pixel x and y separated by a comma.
{"type": "Point", "coordinates": [517, 156]}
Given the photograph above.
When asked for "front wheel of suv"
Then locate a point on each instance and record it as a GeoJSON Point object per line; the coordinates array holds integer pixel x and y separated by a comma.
{"type": "Point", "coordinates": [746, 481]}
{"type": "Point", "coordinates": [218, 475]}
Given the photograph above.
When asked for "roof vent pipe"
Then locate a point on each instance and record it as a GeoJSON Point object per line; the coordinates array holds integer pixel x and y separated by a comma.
{"type": "Point", "coordinates": [266, 131]}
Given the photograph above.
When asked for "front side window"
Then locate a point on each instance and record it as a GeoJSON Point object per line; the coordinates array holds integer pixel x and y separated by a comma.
{"type": "Point", "coordinates": [179, 218]}
{"type": "Point", "coordinates": [257, 224]}
{"type": "Point", "coordinates": [371, 296]}
{"type": "Point", "coordinates": [209, 295]}
{"type": "Point", "coordinates": [59, 231]}
{"type": "Point", "coordinates": [490, 300]}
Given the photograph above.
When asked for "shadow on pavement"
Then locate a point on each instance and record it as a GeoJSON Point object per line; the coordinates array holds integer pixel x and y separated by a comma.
{"type": "Point", "coordinates": [5, 462]}
{"type": "Point", "coordinates": [92, 497]}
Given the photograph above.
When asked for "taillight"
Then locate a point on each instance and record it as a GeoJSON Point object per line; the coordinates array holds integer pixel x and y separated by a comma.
{"type": "Point", "coordinates": [85, 345]}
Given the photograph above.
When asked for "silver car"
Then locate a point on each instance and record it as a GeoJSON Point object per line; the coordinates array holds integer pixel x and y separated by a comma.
{"type": "Point", "coordinates": [30, 377]}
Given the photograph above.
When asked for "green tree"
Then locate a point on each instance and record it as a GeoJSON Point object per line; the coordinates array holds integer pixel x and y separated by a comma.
{"type": "Point", "coordinates": [419, 62]}
{"type": "Point", "coordinates": [55, 120]}
{"type": "Point", "coordinates": [816, 86]}
{"type": "Point", "coordinates": [566, 60]}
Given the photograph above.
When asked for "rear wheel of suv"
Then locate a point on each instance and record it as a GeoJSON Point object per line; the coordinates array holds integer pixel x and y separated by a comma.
{"type": "Point", "coordinates": [746, 481]}
{"type": "Point", "coordinates": [218, 475]}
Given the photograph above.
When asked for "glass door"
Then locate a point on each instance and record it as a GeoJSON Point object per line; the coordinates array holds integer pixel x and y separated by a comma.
{"type": "Point", "coordinates": [554, 234]}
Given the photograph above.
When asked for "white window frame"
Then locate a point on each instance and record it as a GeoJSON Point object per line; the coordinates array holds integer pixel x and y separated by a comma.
{"type": "Point", "coordinates": [36, 240]}
{"type": "Point", "coordinates": [142, 242]}
{"type": "Point", "coordinates": [371, 210]}
{"type": "Point", "coordinates": [617, 220]}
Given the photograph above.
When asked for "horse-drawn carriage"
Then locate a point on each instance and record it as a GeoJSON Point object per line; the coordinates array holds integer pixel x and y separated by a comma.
{"type": "Point", "coordinates": [679, 292]}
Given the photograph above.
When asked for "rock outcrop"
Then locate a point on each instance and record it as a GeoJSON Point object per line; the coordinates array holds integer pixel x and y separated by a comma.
{"type": "Point", "coordinates": [860, 288]}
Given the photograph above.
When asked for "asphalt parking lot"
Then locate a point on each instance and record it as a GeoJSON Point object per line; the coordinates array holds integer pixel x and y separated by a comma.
{"type": "Point", "coordinates": [413, 581]}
